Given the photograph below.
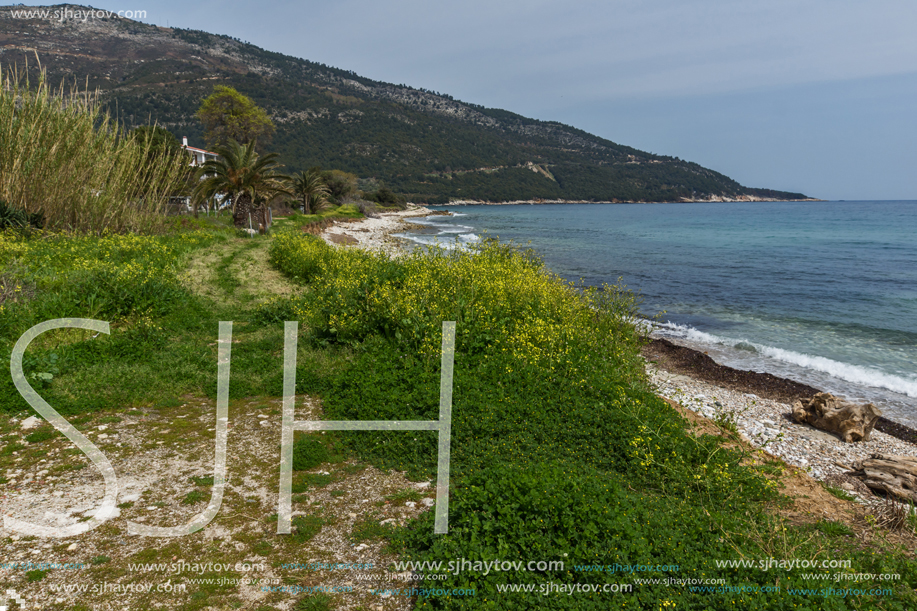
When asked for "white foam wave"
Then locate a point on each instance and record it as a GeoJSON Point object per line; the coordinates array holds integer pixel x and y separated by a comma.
{"type": "Point", "coordinates": [865, 376]}
{"type": "Point", "coordinates": [434, 241]}
{"type": "Point", "coordinates": [469, 237]}
{"type": "Point", "coordinates": [856, 374]}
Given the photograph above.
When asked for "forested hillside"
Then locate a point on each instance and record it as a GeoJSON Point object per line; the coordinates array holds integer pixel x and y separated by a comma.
{"type": "Point", "coordinates": [421, 143]}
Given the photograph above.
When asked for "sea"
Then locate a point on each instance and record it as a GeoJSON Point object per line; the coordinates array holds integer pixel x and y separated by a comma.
{"type": "Point", "coordinates": [824, 293]}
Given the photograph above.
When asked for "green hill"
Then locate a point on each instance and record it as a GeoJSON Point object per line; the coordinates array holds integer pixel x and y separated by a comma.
{"type": "Point", "coordinates": [427, 145]}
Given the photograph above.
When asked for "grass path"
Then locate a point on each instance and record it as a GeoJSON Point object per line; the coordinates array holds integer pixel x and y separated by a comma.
{"type": "Point", "coordinates": [236, 273]}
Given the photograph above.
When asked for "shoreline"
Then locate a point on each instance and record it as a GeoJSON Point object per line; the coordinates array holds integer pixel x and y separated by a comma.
{"type": "Point", "coordinates": [375, 234]}
{"type": "Point", "coordinates": [538, 202]}
{"type": "Point", "coordinates": [757, 404]}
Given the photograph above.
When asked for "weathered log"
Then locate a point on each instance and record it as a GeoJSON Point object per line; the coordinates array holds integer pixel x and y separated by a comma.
{"type": "Point", "coordinates": [851, 421]}
{"type": "Point", "coordinates": [895, 475]}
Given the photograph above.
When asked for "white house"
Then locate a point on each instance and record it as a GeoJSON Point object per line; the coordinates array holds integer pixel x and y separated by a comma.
{"type": "Point", "coordinates": [198, 156]}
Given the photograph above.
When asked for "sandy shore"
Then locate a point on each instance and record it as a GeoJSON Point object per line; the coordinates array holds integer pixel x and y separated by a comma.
{"type": "Point", "coordinates": [375, 233]}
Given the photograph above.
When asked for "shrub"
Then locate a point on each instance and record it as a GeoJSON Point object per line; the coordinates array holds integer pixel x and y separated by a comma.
{"type": "Point", "coordinates": [308, 453]}
{"type": "Point", "coordinates": [300, 256]}
{"type": "Point", "coordinates": [559, 445]}
{"type": "Point", "coordinates": [13, 218]}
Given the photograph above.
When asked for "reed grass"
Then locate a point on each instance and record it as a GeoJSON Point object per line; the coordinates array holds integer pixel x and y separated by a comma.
{"type": "Point", "coordinates": [61, 155]}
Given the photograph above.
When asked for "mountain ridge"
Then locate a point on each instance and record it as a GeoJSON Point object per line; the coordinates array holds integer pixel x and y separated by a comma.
{"type": "Point", "coordinates": [431, 147]}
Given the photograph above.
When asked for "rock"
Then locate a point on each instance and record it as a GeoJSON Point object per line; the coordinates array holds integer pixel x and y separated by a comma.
{"type": "Point", "coordinates": [30, 423]}
{"type": "Point", "coordinates": [428, 502]}
{"type": "Point", "coordinates": [850, 421]}
{"type": "Point", "coordinates": [893, 474]}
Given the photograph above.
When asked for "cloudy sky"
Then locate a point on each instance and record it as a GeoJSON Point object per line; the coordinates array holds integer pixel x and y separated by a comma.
{"type": "Point", "coordinates": [818, 96]}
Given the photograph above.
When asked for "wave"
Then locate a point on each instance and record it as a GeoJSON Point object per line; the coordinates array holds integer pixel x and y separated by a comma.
{"type": "Point", "coordinates": [446, 244]}
{"type": "Point", "coordinates": [855, 374]}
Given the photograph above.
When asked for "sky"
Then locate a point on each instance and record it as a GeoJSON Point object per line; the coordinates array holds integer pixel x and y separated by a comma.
{"type": "Point", "coordinates": [814, 96]}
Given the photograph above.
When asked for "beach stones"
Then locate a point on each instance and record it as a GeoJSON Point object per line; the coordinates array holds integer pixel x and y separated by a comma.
{"type": "Point", "coordinates": [850, 421]}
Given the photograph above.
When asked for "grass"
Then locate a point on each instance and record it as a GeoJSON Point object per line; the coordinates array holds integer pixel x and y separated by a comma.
{"type": "Point", "coordinates": [195, 496]}
{"type": "Point", "coordinates": [370, 530]}
{"type": "Point", "coordinates": [839, 492]}
{"type": "Point", "coordinates": [401, 496]}
{"type": "Point", "coordinates": [833, 529]}
{"type": "Point", "coordinates": [560, 450]}
{"type": "Point", "coordinates": [36, 575]}
{"type": "Point", "coordinates": [314, 602]}
{"type": "Point", "coordinates": [39, 436]}
{"type": "Point", "coordinates": [305, 528]}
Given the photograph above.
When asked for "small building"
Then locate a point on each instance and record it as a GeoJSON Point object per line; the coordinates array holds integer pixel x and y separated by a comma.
{"type": "Point", "coordinates": [198, 156]}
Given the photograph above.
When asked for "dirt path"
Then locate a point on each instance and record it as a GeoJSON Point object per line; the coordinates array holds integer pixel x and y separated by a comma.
{"type": "Point", "coordinates": [237, 273]}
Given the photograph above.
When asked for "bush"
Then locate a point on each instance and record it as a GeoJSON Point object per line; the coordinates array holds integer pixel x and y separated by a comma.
{"type": "Point", "coordinates": [14, 218]}
{"type": "Point", "coordinates": [301, 256]}
{"type": "Point", "coordinates": [308, 453]}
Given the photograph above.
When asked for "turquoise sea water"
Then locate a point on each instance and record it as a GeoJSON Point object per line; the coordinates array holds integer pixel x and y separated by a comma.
{"type": "Point", "coordinates": [820, 292]}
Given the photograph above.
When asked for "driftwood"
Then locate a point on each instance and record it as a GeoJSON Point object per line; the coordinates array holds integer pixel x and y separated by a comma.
{"type": "Point", "coordinates": [851, 421]}
{"type": "Point", "coordinates": [895, 475]}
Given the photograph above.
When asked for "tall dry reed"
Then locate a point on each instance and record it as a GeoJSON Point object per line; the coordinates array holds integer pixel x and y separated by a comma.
{"type": "Point", "coordinates": [62, 156]}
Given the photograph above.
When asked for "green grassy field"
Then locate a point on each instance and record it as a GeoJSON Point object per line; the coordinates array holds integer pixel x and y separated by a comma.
{"type": "Point", "coordinates": [560, 449]}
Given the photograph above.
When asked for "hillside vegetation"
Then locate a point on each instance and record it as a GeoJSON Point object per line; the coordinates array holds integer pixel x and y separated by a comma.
{"type": "Point", "coordinates": [426, 145]}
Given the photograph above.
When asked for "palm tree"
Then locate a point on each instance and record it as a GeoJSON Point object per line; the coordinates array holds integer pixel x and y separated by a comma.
{"type": "Point", "coordinates": [310, 188]}
{"type": "Point", "coordinates": [248, 179]}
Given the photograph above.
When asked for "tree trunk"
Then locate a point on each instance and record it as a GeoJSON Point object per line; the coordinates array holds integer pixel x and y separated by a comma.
{"type": "Point", "coordinates": [851, 422]}
{"type": "Point", "coordinates": [892, 474]}
{"type": "Point", "coordinates": [243, 208]}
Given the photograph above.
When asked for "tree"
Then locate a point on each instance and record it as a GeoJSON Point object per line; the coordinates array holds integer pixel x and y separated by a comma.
{"type": "Point", "coordinates": [340, 184]}
{"type": "Point", "coordinates": [249, 180]}
{"type": "Point", "coordinates": [229, 115]}
{"type": "Point", "coordinates": [310, 189]}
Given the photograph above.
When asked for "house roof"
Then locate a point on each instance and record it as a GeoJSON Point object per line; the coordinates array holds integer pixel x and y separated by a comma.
{"type": "Point", "coordinates": [197, 150]}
